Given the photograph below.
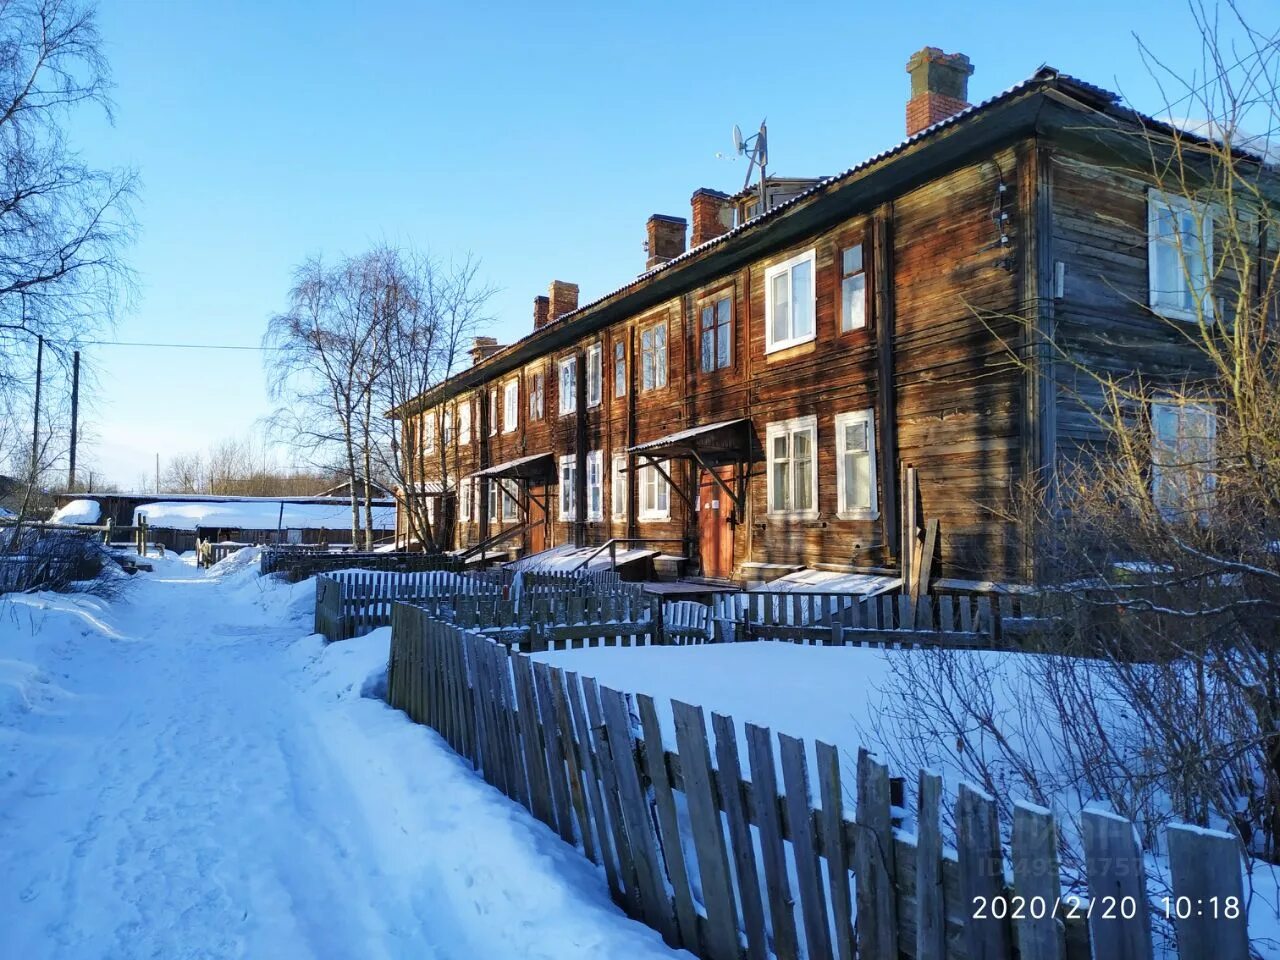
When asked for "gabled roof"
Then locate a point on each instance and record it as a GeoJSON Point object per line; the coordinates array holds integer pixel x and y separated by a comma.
{"type": "Point", "coordinates": [1020, 108]}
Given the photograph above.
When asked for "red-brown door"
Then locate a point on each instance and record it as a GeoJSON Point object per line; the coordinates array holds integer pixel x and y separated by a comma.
{"type": "Point", "coordinates": [538, 519]}
{"type": "Point", "coordinates": [715, 533]}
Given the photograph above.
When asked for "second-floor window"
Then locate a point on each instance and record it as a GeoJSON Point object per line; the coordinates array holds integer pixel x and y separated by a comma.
{"type": "Point", "coordinates": [493, 412]}
{"type": "Point", "coordinates": [568, 385]}
{"type": "Point", "coordinates": [619, 369]}
{"type": "Point", "coordinates": [446, 427]}
{"type": "Point", "coordinates": [653, 357]}
{"type": "Point", "coordinates": [510, 405]}
{"type": "Point", "coordinates": [595, 375]}
{"type": "Point", "coordinates": [537, 395]}
{"type": "Point", "coordinates": [789, 302]}
{"type": "Point", "coordinates": [1179, 252]}
{"type": "Point", "coordinates": [793, 474]}
{"type": "Point", "coordinates": [853, 289]}
{"type": "Point", "coordinates": [429, 432]}
{"type": "Point", "coordinates": [716, 325]}
{"type": "Point", "coordinates": [464, 422]}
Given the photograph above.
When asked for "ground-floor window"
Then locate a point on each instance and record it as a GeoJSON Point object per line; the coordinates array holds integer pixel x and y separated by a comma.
{"type": "Point", "coordinates": [568, 484]}
{"type": "Point", "coordinates": [793, 473]}
{"type": "Point", "coordinates": [619, 494]}
{"type": "Point", "coordinates": [856, 465]}
{"type": "Point", "coordinates": [1183, 442]}
{"type": "Point", "coordinates": [595, 485]}
{"type": "Point", "coordinates": [655, 492]}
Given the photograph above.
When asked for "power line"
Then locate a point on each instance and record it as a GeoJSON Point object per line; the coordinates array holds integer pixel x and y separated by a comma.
{"type": "Point", "coordinates": [176, 346]}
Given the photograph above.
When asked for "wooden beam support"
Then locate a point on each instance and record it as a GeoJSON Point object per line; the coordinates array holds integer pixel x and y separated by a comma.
{"type": "Point", "coordinates": [886, 387]}
{"type": "Point", "coordinates": [738, 508]}
{"type": "Point", "coordinates": [667, 477]}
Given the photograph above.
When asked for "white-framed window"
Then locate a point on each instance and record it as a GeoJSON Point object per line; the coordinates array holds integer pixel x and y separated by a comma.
{"type": "Point", "coordinates": [619, 492]}
{"type": "Point", "coordinates": [464, 422]}
{"type": "Point", "coordinates": [595, 375]}
{"type": "Point", "coordinates": [568, 380]}
{"type": "Point", "coordinates": [595, 485]}
{"type": "Point", "coordinates": [510, 406]}
{"type": "Point", "coordinates": [493, 411]}
{"type": "Point", "coordinates": [493, 499]}
{"type": "Point", "coordinates": [853, 289]}
{"type": "Point", "coordinates": [537, 395]}
{"type": "Point", "coordinates": [568, 486]}
{"type": "Point", "coordinates": [789, 302]}
{"type": "Point", "coordinates": [446, 426]}
{"type": "Point", "coordinates": [716, 328]}
{"type": "Point", "coordinates": [653, 357]}
{"type": "Point", "coordinates": [655, 492]}
{"type": "Point", "coordinates": [429, 431]}
{"type": "Point", "coordinates": [465, 495]}
{"type": "Point", "coordinates": [1183, 443]}
{"type": "Point", "coordinates": [1179, 254]}
{"type": "Point", "coordinates": [793, 470]}
{"type": "Point", "coordinates": [856, 465]}
{"type": "Point", "coordinates": [510, 505]}
{"type": "Point", "coordinates": [619, 368]}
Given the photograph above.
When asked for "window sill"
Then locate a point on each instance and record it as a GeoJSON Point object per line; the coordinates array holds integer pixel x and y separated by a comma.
{"type": "Point", "coordinates": [1178, 313]}
{"type": "Point", "coordinates": [792, 515]}
{"type": "Point", "coordinates": [505, 431]}
{"type": "Point", "coordinates": [858, 515]}
{"type": "Point", "coordinates": [789, 348]}
{"type": "Point", "coordinates": [568, 413]}
{"type": "Point", "coordinates": [655, 518]}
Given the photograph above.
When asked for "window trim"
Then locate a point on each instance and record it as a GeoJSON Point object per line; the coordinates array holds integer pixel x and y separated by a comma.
{"type": "Point", "coordinates": [786, 266]}
{"type": "Point", "coordinates": [659, 383]}
{"type": "Point", "coordinates": [842, 420]}
{"type": "Point", "coordinates": [655, 515]}
{"type": "Point", "coordinates": [510, 408]}
{"type": "Point", "coordinates": [537, 391]}
{"type": "Point", "coordinates": [464, 421]}
{"type": "Point", "coordinates": [619, 382]}
{"type": "Point", "coordinates": [567, 401]}
{"type": "Point", "coordinates": [567, 490]}
{"type": "Point", "coordinates": [596, 458]}
{"type": "Point", "coordinates": [788, 427]}
{"type": "Point", "coordinates": [1156, 197]}
{"type": "Point", "coordinates": [493, 411]}
{"type": "Point", "coordinates": [712, 303]}
{"type": "Point", "coordinates": [1158, 470]}
{"type": "Point", "coordinates": [618, 478]}
{"type": "Point", "coordinates": [595, 362]}
{"type": "Point", "coordinates": [866, 312]}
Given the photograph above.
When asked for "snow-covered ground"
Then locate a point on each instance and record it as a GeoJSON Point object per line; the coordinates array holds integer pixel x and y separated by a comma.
{"type": "Point", "coordinates": [185, 773]}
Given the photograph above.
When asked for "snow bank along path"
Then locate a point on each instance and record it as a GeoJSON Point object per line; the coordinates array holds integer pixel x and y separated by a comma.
{"type": "Point", "coordinates": [184, 773]}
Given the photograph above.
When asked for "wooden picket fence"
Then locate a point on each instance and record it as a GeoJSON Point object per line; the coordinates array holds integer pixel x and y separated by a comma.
{"type": "Point", "coordinates": [834, 885]}
{"type": "Point", "coordinates": [547, 623]}
{"type": "Point", "coordinates": [296, 563]}
{"type": "Point", "coordinates": [350, 603]}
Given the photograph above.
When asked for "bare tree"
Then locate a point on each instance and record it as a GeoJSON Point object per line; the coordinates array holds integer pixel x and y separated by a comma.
{"type": "Point", "coordinates": [63, 223]}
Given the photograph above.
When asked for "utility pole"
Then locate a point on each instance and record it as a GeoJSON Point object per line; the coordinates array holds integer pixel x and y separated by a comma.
{"type": "Point", "coordinates": [35, 419]}
{"type": "Point", "coordinates": [75, 419]}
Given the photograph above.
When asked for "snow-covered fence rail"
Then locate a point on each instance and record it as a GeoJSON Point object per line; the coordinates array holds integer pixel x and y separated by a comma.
{"type": "Point", "coordinates": [852, 619]}
{"type": "Point", "coordinates": [297, 564]}
{"type": "Point", "coordinates": [744, 850]}
{"type": "Point", "coordinates": [350, 603]}
{"type": "Point", "coordinates": [546, 623]}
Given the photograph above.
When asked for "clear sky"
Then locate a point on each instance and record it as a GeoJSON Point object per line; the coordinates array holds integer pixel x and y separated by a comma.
{"type": "Point", "coordinates": [538, 136]}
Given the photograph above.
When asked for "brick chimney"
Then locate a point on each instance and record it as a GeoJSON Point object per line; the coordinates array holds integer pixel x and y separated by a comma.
{"type": "Point", "coordinates": [541, 312]}
{"type": "Point", "coordinates": [939, 87]}
{"type": "Point", "coordinates": [712, 215]}
{"type": "Point", "coordinates": [563, 299]}
{"type": "Point", "coordinates": [665, 238]}
{"type": "Point", "coordinates": [483, 347]}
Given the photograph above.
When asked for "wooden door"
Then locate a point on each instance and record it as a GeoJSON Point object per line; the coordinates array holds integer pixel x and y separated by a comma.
{"type": "Point", "coordinates": [715, 533]}
{"type": "Point", "coordinates": [538, 519]}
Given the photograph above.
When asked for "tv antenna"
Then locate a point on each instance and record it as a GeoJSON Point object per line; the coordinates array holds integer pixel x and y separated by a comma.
{"type": "Point", "coordinates": [756, 149]}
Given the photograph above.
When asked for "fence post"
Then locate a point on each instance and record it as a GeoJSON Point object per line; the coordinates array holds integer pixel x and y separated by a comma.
{"type": "Point", "coordinates": [877, 914]}
{"type": "Point", "coordinates": [1115, 870]}
{"type": "Point", "coordinates": [1034, 851]}
{"type": "Point", "coordinates": [1208, 888]}
{"type": "Point", "coordinates": [981, 874]}
{"type": "Point", "coordinates": [931, 919]}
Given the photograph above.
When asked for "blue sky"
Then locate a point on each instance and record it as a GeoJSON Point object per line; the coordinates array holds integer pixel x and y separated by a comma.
{"type": "Point", "coordinates": [537, 136]}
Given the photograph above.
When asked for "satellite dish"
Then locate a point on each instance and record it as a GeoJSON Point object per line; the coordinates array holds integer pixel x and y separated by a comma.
{"type": "Point", "coordinates": [738, 145]}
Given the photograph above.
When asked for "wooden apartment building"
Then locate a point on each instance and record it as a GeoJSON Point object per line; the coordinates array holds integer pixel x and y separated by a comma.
{"type": "Point", "coordinates": [751, 402]}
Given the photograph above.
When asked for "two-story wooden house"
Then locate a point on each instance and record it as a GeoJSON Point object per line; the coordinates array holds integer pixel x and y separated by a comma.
{"type": "Point", "coordinates": [754, 399]}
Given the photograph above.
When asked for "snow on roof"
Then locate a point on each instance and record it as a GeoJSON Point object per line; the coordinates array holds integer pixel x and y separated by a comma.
{"type": "Point", "coordinates": [566, 559]}
{"type": "Point", "coordinates": [827, 581]}
{"type": "Point", "coordinates": [258, 515]}
{"type": "Point", "coordinates": [686, 434]}
{"type": "Point", "coordinates": [78, 511]}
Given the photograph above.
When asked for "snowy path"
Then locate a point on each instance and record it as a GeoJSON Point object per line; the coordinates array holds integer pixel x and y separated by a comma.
{"type": "Point", "coordinates": [182, 776]}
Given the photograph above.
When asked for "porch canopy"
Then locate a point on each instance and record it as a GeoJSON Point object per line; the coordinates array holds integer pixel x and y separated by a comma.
{"type": "Point", "coordinates": [711, 445]}
{"type": "Point", "coordinates": [536, 468]}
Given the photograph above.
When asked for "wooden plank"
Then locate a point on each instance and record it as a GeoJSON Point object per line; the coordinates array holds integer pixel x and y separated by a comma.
{"type": "Point", "coordinates": [930, 908]}
{"type": "Point", "coordinates": [635, 815]}
{"type": "Point", "coordinates": [1034, 851]}
{"type": "Point", "coordinates": [813, 900]}
{"type": "Point", "coordinates": [609, 780]}
{"type": "Point", "coordinates": [764, 782]}
{"type": "Point", "coordinates": [1117, 875]}
{"type": "Point", "coordinates": [556, 772]}
{"type": "Point", "coordinates": [744, 854]}
{"type": "Point", "coordinates": [874, 867]}
{"type": "Point", "coordinates": [829, 783]}
{"type": "Point", "coordinates": [535, 759]}
{"type": "Point", "coordinates": [1208, 903]}
{"type": "Point", "coordinates": [981, 867]}
{"type": "Point", "coordinates": [517, 786]}
{"type": "Point", "coordinates": [606, 855]}
{"type": "Point", "coordinates": [708, 837]}
{"type": "Point", "coordinates": [668, 822]}
{"type": "Point", "coordinates": [573, 761]}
